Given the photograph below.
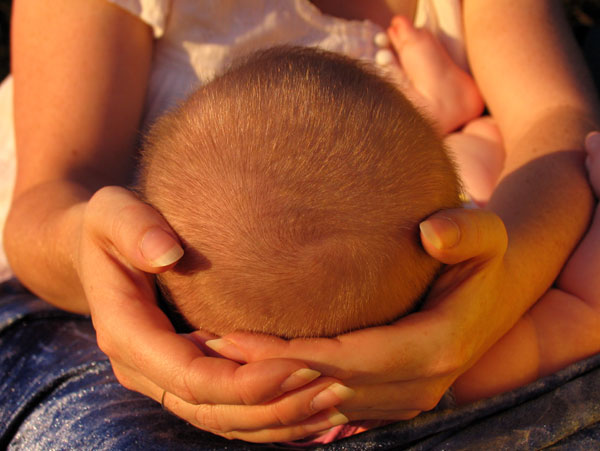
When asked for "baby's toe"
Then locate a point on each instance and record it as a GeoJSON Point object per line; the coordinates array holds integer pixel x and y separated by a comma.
{"type": "Point", "coordinates": [402, 32]}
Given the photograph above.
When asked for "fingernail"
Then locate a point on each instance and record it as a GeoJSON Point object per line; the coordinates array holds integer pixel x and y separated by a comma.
{"type": "Point", "coordinates": [592, 141]}
{"type": "Point", "coordinates": [442, 233]}
{"type": "Point", "coordinates": [299, 378]}
{"type": "Point", "coordinates": [159, 248]}
{"type": "Point", "coordinates": [226, 349]}
{"type": "Point", "coordinates": [326, 420]}
{"type": "Point", "coordinates": [337, 418]}
{"type": "Point", "coordinates": [331, 396]}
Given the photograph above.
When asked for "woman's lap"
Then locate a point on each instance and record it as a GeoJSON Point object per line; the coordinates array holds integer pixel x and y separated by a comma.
{"type": "Point", "coordinates": [58, 391]}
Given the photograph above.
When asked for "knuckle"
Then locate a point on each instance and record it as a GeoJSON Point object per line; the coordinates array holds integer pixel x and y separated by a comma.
{"type": "Point", "coordinates": [245, 391]}
{"type": "Point", "coordinates": [123, 379]}
{"type": "Point", "coordinates": [106, 193]}
{"type": "Point", "coordinates": [94, 218]}
{"type": "Point", "coordinates": [454, 361]}
{"type": "Point", "coordinates": [184, 385]}
{"type": "Point", "coordinates": [181, 386]}
{"type": "Point", "coordinates": [108, 213]}
{"type": "Point", "coordinates": [439, 364]}
{"type": "Point", "coordinates": [99, 198]}
{"type": "Point", "coordinates": [280, 417]}
{"type": "Point", "coordinates": [447, 363]}
{"type": "Point", "coordinates": [208, 418]}
{"type": "Point", "coordinates": [430, 399]}
{"type": "Point", "coordinates": [137, 358]}
{"type": "Point", "coordinates": [105, 343]}
{"type": "Point", "coordinates": [246, 395]}
{"type": "Point", "coordinates": [118, 225]}
{"type": "Point", "coordinates": [449, 358]}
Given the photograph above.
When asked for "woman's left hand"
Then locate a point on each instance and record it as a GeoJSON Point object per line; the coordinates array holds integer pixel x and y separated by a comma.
{"type": "Point", "coordinates": [405, 368]}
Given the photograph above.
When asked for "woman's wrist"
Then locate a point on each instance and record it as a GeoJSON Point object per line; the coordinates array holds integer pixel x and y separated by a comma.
{"type": "Point", "coordinates": [42, 236]}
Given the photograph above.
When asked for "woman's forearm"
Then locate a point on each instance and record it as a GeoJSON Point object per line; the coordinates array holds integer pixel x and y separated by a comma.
{"type": "Point", "coordinates": [80, 73]}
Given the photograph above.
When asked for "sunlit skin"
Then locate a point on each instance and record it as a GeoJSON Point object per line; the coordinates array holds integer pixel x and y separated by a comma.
{"type": "Point", "coordinates": [446, 93]}
{"type": "Point", "coordinates": [87, 246]}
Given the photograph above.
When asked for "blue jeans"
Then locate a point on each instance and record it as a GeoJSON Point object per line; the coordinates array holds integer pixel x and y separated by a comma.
{"type": "Point", "coordinates": [57, 391]}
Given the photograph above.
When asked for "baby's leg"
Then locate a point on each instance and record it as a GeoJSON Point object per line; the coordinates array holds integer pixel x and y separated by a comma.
{"type": "Point", "coordinates": [436, 83]}
{"type": "Point", "coordinates": [581, 274]}
{"type": "Point", "coordinates": [479, 155]}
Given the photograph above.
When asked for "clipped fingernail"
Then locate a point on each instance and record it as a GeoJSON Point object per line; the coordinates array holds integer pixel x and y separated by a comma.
{"type": "Point", "coordinates": [337, 418]}
{"type": "Point", "coordinates": [226, 349]}
{"type": "Point", "coordinates": [299, 378]}
{"type": "Point", "coordinates": [159, 248]}
{"type": "Point", "coordinates": [326, 420]}
{"type": "Point", "coordinates": [331, 396]}
{"type": "Point", "coordinates": [442, 233]}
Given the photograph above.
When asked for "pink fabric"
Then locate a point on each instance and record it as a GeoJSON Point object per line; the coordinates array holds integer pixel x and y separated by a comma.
{"type": "Point", "coordinates": [338, 433]}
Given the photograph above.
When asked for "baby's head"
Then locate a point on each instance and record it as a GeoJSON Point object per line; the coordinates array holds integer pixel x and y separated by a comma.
{"type": "Point", "coordinates": [296, 182]}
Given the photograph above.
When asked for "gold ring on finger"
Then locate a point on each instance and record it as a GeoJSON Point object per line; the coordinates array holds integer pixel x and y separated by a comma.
{"type": "Point", "coordinates": [162, 400]}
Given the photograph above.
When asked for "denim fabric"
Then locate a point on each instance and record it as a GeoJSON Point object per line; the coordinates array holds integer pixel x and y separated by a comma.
{"type": "Point", "coordinates": [57, 391]}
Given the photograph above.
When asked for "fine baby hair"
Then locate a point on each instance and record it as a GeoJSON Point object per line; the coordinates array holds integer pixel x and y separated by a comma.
{"type": "Point", "coordinates": [296, 182]}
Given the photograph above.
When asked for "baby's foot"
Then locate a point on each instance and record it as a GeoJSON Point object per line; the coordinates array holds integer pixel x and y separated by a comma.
{"type": "Point", "coordinates": [592, 162]}
{"type": "Point", "coordinates": [479, 155]}
{"type": "Point", "coordinates": [443, 89]}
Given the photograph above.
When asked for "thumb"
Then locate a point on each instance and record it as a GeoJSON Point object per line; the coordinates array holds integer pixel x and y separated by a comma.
{"type": "Point", "coordinates": [136, 230]}
{"type": "Point", "coordinates": [453, 236]}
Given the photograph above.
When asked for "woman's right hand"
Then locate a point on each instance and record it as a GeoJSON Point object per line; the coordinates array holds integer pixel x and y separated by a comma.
{"type": "Point", "coordinates": [123, 242]}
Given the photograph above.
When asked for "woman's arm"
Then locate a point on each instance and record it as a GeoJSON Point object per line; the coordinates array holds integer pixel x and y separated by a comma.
{"type": "Point", "coordinates": [80, 73]}
{"type": "Point", "coordinates": [528, 68]}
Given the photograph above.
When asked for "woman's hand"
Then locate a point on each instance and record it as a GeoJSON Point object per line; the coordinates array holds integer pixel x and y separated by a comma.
{"type": "Point", "coordinates": [122, 242]}
{"type": "Point", "coordinates": [403, 369]}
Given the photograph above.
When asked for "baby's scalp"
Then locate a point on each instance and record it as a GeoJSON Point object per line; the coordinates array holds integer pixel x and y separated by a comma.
{"type": "Point", "coordinates": [296, 181]}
